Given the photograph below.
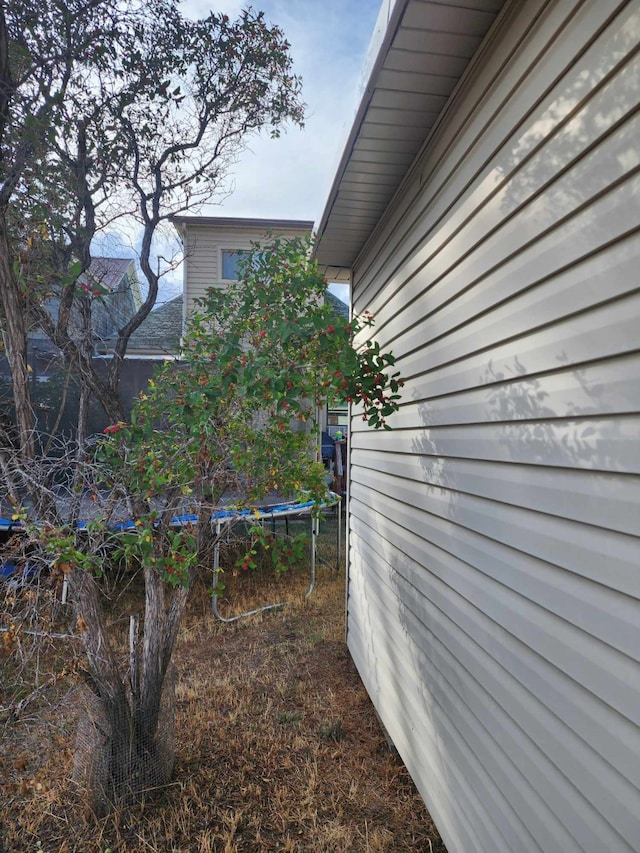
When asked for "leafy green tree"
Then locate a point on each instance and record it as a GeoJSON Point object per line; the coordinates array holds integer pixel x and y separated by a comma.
{"type": "Point", "coordinates": [234, 423]}
{"type": "Point", "coordinates": [110, 111]}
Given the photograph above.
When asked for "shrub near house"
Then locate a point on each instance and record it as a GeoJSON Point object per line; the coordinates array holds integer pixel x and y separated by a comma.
{"type": "Point", "coordinates": [270, 345]}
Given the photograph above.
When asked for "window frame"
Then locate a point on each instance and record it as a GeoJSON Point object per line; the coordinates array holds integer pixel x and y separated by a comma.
{"type": "Point", "coordinates": [237, 250]}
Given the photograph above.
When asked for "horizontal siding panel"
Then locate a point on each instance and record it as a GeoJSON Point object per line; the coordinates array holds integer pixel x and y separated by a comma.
{"type": "Point", "coordinates": [436, 573]}
{"type": "Point", "coordinates": [568, 188]}
{"type": "Point", "coordinates": [605, 444]}
{"type": "Point", "coordinates": [464, 827]}
{"type": "Point", "coordinates": [606, 387]}
{"type": "Point", "coordinates": [608, 331]}
{"type": "Point", "coordinates": [485, 694]}
{"type": "Point", "coordinates": [476, 793]}
{"type": "Point", "coordinates": [606, 673]}
{"type": "Point", "coordinates": [565, 272]}
{"type": "Point", "coordinates": [611, 501]}
{"type": "Point", "coordinates": [573, 575]}
{"type": "Point", "coordinates": [494, 592]}
{"type": "Point", "coordinates": [485, 156]}
{"type": "Point", "coordinates": [617, 210]}
{"type": "Point", "coordinates": [203, 243]}
{"type": "Point", "coordinates": [482, 721]}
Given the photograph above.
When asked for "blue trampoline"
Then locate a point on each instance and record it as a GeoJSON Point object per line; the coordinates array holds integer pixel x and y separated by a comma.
{"type": "Point", "coordinates": [219, 519]}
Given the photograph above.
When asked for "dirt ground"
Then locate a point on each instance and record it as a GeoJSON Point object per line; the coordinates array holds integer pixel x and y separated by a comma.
{"type": "Point", "coordinates": [277, 745]}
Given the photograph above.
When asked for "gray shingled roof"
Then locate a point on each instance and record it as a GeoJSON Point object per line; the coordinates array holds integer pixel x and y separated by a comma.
{"type": "Point", "coordinates": [161, 331]}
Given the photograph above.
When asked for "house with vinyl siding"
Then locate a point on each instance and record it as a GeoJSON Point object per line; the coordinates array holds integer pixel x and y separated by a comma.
{"type": "Point", "coordinates": [212, 245]}
{"type": "Point", "coordinates": [113, 287]}
{"type": "Point", "coordinates": [487, 208]}
{"type": "Point", "coordinates": [211, 248]}
{"type": "Point", "coordinates": [113, 282]}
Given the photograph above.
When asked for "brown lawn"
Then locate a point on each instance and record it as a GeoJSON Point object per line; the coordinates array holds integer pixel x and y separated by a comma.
{"type": "Point", "coordinates": [277, 745]}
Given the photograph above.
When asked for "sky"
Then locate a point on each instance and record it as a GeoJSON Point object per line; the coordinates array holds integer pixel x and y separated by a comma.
{"type": "Point", "coordinates": [290, 177]}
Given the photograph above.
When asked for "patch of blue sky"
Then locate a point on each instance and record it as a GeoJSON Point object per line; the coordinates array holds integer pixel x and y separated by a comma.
{"type": "Point", "coordinates": [290, 177]}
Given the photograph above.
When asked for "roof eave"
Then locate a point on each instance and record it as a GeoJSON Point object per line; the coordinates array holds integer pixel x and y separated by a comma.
{"type": "Point", "coordinates": [383, 144]}
{"type": "Point", "coordinates": [182, 222]}
{"type": "Point", "coordinates": [388, 21]}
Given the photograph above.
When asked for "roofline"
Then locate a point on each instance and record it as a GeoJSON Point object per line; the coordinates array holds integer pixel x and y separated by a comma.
{"type": "Point", "coordinates": [387, 24]}
{"type": "Point", "coordinates": [347, 225]}
{"type": "Point", "coordinates": [111, 258]}
{"type": "Point", "coordinates": [239, 221]}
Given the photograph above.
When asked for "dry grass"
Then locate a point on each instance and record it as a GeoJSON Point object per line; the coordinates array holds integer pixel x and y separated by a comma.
{"type": "Point", "coordinates": [278, 746]}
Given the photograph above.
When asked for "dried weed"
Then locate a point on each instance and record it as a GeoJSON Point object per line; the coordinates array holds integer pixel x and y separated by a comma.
{"type": "Point", "coordinates": [278, 746]}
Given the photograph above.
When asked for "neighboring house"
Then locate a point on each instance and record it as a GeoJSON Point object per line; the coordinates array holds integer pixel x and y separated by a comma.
{"type": "Point", "coordinates": [156, 339]}
{"type": "Point", "coordinates": [116, 281]}
{"type": "Point", "coordinates": [113, 309]}
{"type": "Point", "coordinates": [487, 204]}
{"type": "Point", "coordinates": [337, 411]}
{"type": "Point", "coordinates": [341, 308]}
{"type": "Point", "coordinates": [212, 245]}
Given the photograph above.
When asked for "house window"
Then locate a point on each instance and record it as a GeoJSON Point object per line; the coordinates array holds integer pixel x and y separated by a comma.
{"type": "Point", "coordinates": [230, 259]}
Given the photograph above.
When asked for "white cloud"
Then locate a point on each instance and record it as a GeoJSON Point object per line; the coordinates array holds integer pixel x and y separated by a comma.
{"type": "Point", "coordinates": [290, 177]}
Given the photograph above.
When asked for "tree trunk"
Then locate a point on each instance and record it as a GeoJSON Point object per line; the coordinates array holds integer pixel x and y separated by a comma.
{"type": "Point", "coordinates": [13, 321]}
{"type": "Point", "coordinates": [6, 83]}
{"type": "Point", "coordinates": [15, 342]}
{"type": "Point", "coordinates": [124, 746]}
{"type": "Point", "coordinates": [161, 625]}
{"type": "Point", "coordinates": [108, 723]}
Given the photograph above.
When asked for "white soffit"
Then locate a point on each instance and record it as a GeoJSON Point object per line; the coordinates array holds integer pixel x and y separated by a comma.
{"type": "Point", "coordinates": [419, 51]}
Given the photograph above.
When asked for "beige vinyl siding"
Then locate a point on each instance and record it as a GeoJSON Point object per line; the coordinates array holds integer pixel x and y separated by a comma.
{"type": "Point", "coordinates": [204, 259]}
{"type": "Point", "coordinates": [494, 584]}
{"type": "Point", "coordinates": [204, 244]}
